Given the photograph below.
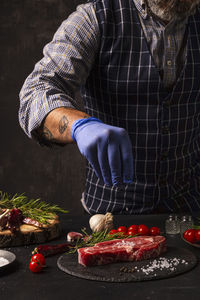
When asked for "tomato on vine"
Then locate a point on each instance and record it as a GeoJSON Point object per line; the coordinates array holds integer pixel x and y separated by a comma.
{"type": "Point", "coordinates": [35, 267]}
{"type": "Point", "coordinates": [37, 263]}
{"type": "Point", "coordinates": [132, 232]}
{"type": "Point", "coordinates": [143, 230]}
{"type": "Point", "coordinates": [122, 229]}
{"type": "Point", "coordinates": [197, 235]}
{"type": "Point", "coordinates": [154, 231]}
{"type": "Point", "coordinates": [189, 235]}
{"type": "Point", "coordinates": [38, 257]}
{"type": "Point", "coordinates": [133, 228]}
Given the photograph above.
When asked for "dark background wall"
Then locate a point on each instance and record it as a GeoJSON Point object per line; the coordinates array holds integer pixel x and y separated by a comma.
{"type": "Point", "coordinates": [56, 176]}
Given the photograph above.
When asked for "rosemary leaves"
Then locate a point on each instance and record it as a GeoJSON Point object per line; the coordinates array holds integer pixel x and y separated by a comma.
{"type": "Point", "coordinates": [35, 209]}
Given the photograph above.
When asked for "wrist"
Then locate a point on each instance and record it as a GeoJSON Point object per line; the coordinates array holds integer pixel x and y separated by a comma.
{"type": "Point", "coordinates": [80, 122]}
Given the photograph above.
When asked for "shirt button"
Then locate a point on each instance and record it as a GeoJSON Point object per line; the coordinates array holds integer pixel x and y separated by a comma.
{"type": "Point", "coordinates": [169, 62]}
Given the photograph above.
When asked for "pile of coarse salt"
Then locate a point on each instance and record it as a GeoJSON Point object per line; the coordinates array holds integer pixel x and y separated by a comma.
{"type": "Point", "coordinates": [3, 261]}
{"type": "Point", "coordinates": [162, 263]}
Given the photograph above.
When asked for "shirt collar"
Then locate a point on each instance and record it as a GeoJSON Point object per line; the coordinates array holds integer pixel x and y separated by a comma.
{"type": "Point", "coordinates": [141, 7]}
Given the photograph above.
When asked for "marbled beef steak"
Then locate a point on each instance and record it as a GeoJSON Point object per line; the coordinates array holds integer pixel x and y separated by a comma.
{"type": "Point", "coordinates": [129, 249]}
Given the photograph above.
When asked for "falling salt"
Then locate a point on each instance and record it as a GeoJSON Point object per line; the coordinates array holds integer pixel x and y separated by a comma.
{"type": "Point", "coordinates": [3, 261]}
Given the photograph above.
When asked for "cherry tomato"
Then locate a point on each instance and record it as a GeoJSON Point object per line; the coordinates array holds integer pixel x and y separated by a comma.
{"type": "Point", "coordinates": [133, 228]}
{"type": "Point", "coordinates": [122, 229]}
{"type": "Point", "coordinates": [143, 229]}
{"type": "Point", "coordinates": [197, 235]}
{"type": "Point", "coordinates": [113, 231]}
{"type": "Point", "coordinates": [189, 235]}
{"type": "Point", "coordinates": [154, 231]}
{"type": "Point", "coordinates": [132, 232]}
{"type": "Point", "coordinates": [38, 257]}
{"type": "Point", "coordinates": [35, 267]}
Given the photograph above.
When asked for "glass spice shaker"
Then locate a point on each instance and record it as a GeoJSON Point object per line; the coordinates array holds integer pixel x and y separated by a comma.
{"type": "Point", "coordinates": [172, 225]}
{"type": "Point", "coordinates": [186, 223]}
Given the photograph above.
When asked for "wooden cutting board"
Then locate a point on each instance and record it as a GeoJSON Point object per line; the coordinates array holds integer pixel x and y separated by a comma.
{"type": "Point", "coordinates": [29, 234]}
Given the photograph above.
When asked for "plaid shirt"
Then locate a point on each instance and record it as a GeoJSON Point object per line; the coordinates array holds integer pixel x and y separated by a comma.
{"type": "Point", "coordinates": [78, 38]}
{"type": "Point", "coordinates": [103, 50]}
{"type": "Point", "coordinates": [167, 43]}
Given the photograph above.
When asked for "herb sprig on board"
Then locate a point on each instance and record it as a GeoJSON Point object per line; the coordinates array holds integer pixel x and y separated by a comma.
{"type": "Point", "coordinates": [34, 208]}
{"type": "Point", "coordinates": [97, 237]}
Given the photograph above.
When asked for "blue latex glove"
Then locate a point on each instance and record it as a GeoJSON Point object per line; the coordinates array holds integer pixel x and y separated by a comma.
{"type": "Point", "coordinates": [107, 148]}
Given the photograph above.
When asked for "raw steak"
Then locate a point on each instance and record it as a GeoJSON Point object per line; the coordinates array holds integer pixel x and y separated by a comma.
{"type": "Point", "coordinates": [131, 249]}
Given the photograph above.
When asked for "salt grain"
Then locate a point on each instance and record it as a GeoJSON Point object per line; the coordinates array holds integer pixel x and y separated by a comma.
{"type": "Point", "coordinates": [3, 261]}
{"type": "Point", "coordinates": [162, 264]}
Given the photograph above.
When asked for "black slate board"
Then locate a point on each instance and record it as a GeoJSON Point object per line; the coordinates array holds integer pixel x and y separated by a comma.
{"type": "Point", "coordinates": [111, 272]}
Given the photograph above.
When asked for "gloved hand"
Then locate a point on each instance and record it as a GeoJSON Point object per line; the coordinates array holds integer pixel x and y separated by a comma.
{"type": "Point", "coordinates": [107, 148]}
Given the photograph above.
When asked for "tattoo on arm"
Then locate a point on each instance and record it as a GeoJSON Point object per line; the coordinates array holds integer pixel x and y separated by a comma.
{"type": "Point", "coordinates": [46, 134]}
{"type": "Point", "coordinates": [63, 123]}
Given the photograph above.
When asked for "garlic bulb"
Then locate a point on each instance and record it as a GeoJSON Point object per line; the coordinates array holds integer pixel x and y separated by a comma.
{"type": "Point", "coordinates": [101, 222]}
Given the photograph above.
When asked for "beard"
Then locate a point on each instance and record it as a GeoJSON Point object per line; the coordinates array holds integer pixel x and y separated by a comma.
{"type": "Point", "coordinates": [180, 6]}
{"type": "Point", "coordinates": [167, 9]}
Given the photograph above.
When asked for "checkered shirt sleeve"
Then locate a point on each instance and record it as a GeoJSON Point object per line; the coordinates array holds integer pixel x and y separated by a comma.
{"type": "Point", "coordinates": [66, 64]}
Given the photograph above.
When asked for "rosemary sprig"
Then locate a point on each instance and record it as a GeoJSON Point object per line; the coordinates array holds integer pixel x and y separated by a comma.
{"type": "Point", "coordinates": [33, 208]}
{"type": "Point", "coordinates": [97, 237]}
